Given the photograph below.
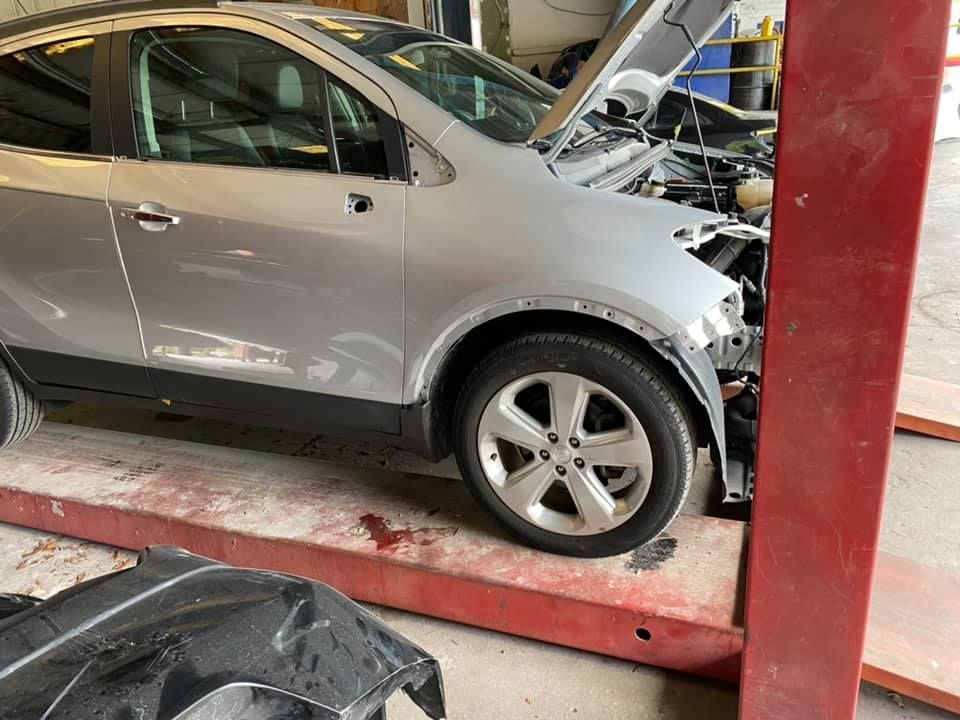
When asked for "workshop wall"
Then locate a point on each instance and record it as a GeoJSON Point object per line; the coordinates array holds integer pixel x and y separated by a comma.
{"type": "Point", "coordinates": [752, 13]}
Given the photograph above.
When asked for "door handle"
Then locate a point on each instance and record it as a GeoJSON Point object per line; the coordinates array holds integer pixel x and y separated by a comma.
{"type": "Point", "coordinates": [153, 217]}
{"type": "Point", "coordinates": [357, 204]}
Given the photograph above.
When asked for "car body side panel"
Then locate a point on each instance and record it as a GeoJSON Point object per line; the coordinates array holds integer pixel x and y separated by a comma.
{"type": "Point", "coordinates": [267, 279]}
{"type": "Point", "coordinates": [495, 237]}
{"type": "Point", "coordinates": [62, 288]}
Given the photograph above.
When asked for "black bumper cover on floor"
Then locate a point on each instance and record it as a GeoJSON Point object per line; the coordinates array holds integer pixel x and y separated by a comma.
{"type": "Point", "coordinates": [180, 637]}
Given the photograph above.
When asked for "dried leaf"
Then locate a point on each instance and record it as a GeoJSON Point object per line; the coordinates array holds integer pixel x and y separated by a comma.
{"type": "Point", "coordinates": [895, 697]}
{"type": "Point", "coordinates": [43, 546]}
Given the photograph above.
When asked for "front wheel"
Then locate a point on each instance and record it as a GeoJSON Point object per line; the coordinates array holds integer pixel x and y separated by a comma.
{"type": "Point", "coordinates": [20, 411]}
{"type": "Point", "coordinates": [575, 445]}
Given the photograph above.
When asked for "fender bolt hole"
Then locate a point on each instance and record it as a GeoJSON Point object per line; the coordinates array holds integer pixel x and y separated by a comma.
{"type": "Point", "coordinates": [736, 342]}
{"type": "Point", "coordinates": [493, 456]}
{"type": "Point", "coordinates": [643, 634]}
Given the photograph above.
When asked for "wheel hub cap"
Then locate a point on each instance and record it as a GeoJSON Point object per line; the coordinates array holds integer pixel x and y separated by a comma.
{"type": "Point", "coordinates": [565, 453]}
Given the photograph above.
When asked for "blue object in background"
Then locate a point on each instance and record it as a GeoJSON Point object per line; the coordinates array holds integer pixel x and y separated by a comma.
{"type": "Point", "coordinates": [714, 56]}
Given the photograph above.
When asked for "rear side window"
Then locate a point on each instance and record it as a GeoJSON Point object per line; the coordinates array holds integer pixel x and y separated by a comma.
{"type": "Point", "coordinates": [45, 96]}
{"type": "Point", "coordinates": [224, 97]}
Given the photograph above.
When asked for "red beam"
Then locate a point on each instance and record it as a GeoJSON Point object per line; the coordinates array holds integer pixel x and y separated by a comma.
{"type": "Point", "coordinates": [860, 87]}
{"type": "Point", "coordinates": [420, 544]}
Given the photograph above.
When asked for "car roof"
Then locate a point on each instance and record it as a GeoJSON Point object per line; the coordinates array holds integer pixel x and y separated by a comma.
{"type": "Point", "coordinates": [104, 9]}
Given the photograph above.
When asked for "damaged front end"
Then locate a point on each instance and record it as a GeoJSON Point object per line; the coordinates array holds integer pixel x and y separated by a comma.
{"type": "Point", "coordinates": [180, 637]}
{"type": "Point", "coordinates": [732, 335]}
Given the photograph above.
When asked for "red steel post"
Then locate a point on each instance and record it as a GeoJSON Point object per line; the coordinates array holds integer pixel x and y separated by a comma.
{"type": "Point", "coordinates": [860, 87]}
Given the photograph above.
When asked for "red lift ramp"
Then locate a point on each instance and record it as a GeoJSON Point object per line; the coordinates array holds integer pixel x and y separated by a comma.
{"type": "Point", "coordinates": [929, 406]}
{"type": "Point", "coordinates": [410, 542]}
{"type": "Point", "coordinates": [420, 544]}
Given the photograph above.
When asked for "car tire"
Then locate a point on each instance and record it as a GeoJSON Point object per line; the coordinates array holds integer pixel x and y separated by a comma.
{"type": "Point", "coordinates": [20, 411]}
{"type": "Point", "coordinates": [636, 387]}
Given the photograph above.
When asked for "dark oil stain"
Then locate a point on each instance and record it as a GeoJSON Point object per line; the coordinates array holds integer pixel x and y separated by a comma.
{"type": "Point", "coordinates": [387, 539]}
{"type": "Point", "coordinates": [652, 555]}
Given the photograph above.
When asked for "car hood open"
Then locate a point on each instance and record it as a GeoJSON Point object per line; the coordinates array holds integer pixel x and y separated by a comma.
{"type": "Point", "coordinates": [636, 62]}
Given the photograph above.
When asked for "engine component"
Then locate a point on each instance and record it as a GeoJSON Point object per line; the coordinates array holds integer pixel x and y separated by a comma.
{"type": "Point", "coordinates": [754, 192]}
{"type": "Point", "coordinates": [738, 352]}
{"type": "Point", "coordinates": [740, 421]}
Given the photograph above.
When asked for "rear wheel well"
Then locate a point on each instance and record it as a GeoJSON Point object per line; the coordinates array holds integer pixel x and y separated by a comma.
{"type": "Point", "coordinates": [462, 358]}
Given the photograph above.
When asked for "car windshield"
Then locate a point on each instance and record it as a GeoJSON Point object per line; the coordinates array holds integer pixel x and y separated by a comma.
{"type": "Point", "coordinates": [490, 96]}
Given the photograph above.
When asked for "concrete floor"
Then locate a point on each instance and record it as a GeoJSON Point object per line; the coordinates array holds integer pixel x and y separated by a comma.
{"type": "Point", "coordinates": [492, 675]}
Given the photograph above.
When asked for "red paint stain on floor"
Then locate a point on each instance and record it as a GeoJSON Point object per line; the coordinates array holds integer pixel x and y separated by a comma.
{"type": "Point", "coordinates": [388, 539]}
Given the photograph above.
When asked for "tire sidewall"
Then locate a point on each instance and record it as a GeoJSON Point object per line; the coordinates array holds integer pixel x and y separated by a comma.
{"type": "Point", "coordinates": [631, 379]}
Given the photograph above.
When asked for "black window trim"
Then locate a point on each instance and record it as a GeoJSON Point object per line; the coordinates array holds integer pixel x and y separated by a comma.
{"type": "Point", "coordinates": [101, 144]}
{"type": "Point", "coordinates": [124, 125]}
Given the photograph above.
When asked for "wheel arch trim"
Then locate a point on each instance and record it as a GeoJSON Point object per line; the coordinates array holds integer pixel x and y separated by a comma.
{"type": "Point", "coordinates": [692, 366]}
{"type": "Point", "coordinates": [648, 324]}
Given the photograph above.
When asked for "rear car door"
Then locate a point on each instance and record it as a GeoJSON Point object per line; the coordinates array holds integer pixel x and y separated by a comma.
{"type": "Point", "coordinates": [260, 217]}
{"type": "Point", "coordinates": [66, 315]}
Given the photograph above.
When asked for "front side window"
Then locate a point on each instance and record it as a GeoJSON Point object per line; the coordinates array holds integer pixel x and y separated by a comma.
{"type": "Point", "coordinates": [45, 96]}
{"type": "Point", "coordinates": [499, 101]}
{"type": "Point", "coordinates": [224, 97]}
{"type": "Point", "coordinates": [356, 123]}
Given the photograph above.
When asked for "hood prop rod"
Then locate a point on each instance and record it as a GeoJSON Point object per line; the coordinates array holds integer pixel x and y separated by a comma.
{"type": "Point", "coordinates": [693, 102]}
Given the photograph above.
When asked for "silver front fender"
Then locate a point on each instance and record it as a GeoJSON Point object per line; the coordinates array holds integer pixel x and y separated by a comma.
{"type": "Point", "coordinates": [696, 369]}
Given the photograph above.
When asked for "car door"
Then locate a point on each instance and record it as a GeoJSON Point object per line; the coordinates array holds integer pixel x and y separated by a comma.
{"type": "Point", "coordinates": [66, 315]}
{"type": "Point", "coordinates": [260, 215]}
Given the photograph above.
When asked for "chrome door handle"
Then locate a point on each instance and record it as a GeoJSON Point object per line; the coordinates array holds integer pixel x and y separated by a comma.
{"type": "Point", "coordinates": [153, 217]}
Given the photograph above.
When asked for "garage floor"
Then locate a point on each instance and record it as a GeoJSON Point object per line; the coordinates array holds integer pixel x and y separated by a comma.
{"type": "Point", "coordinates": [493, 675]}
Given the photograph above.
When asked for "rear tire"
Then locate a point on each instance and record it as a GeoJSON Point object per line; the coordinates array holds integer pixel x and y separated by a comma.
{"type": "Point", "coordinates": [20, 411]}
{"type": "Point", "coordinates": [645, 443]}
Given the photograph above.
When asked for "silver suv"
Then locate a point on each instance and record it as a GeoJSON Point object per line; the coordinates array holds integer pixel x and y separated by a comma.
{"type": "Point", "coordinates": [298, 216]}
